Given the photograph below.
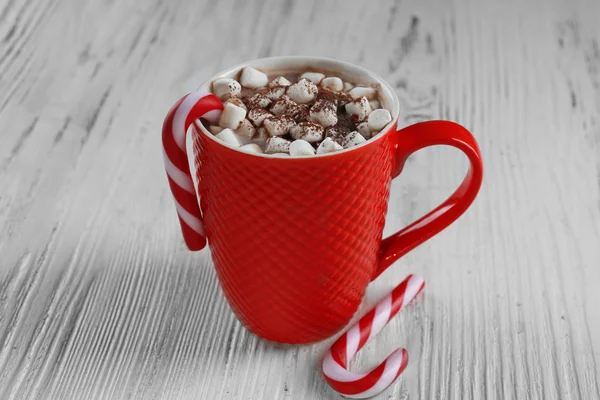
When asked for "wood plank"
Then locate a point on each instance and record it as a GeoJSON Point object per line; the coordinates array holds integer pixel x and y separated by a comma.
{"type": "Point", "coordinates": [99, 298]}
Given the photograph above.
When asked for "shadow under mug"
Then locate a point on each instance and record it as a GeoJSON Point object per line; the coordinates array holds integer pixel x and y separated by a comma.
{"type": "Point", "coordinates": [296, 241]}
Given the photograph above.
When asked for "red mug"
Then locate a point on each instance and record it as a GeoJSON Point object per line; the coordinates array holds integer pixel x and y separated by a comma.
{"type": "Point", "coordinates": [296, 241]}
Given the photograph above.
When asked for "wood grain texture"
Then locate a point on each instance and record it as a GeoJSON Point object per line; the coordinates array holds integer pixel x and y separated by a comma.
{"type": "Point", "coordinates": [99, 298]}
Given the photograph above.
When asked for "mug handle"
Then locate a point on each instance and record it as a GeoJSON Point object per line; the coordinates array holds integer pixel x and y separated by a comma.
{"type": "Point", "coordinates": [410, 140]}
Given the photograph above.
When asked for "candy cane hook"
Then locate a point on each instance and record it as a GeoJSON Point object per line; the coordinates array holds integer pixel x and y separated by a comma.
{"type": "Point", "coordinates": [335, 363]}
{"type": "Point", "coordinates": [188, 109]}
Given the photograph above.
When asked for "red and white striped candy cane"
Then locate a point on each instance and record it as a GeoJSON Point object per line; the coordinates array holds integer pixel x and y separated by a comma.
{"type": "Point", "coordinates": [335, 363]}
{"type": "Point", "coordinates": [188, 109]}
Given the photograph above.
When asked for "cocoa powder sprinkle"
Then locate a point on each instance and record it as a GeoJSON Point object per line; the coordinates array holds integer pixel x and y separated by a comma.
{"type": "Point", "coordinates": [272, 113]}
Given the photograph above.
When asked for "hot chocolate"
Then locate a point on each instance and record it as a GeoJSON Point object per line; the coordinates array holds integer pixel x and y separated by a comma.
{"type": "Point", "coordinates": [296, 115]}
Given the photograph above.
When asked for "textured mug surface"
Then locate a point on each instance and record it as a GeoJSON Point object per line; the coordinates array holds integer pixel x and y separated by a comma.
{"type": "Point", "coordinates": [296, 241]}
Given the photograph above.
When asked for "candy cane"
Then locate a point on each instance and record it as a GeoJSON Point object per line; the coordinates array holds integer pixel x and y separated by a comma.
{"type": "Point", "coordinates": [188, 109]}
{"type": "Point", "coordinates": [335, 363]}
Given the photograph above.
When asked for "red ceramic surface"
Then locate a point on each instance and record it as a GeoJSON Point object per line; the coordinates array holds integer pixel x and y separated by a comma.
{"type": "Point", "coordinates": [295, 242]}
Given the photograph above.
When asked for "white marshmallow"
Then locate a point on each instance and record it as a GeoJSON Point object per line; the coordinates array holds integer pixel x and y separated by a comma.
{"type": "Point", "coordinates": [225, 88]}
{"type": "Point", "coordinates": [253, 79]}
{"type": "Point", "coordinates": [236, 101]}
{"type": "Point", "coordinates": [214, 129]}
{"type": "Point", "coordinates": [301, 148]}
{"type": "Point", "coordinates": [282, 105]}
{"type": "Point", "coordinates": [333, 83]}
{"type": "Point", "coordinates": [251, 148]}
{"type": "Point", "coordinates": [275, 93]}
{"type": "Point", "coordinates": [279, 81]}
{"type": "Point", "coordinates": [364, 130]}
{"type": "Point", "coordinates": [378, 119]}
{"type": "Point", "coordinates": [281, 155]}
{"type": "Point", "coordinates": [324, 112]}
{"type": "Point", "coordinates": [244, 140]}
{"type": "Point", "coordinates": [227, 136]}
{"type": "Point", "coordinates": [302, 92]}
{"type": "Point", "coordinates": [246, 129]}
{"type": "Point", "coordinates": [375, 104]}
{"type": "Point", "coordinates": [308, 131]}
{"type": "Point", "coordinates": [353, 139]}
{"type": "Point", "coordinates": [359, 91]}
{"type": "Point", "coordinates": [232, 116]}
{"type": "Point", "coordinates": [328, 146]}
{"type": "Point", "coordinates": [336, 134]}
{"type": "Point", "coordinates": [360, 107]}
{"type": "Point", "coordinates": [261, 135]}
{"type": "Point", "coordinates": [258, 115]}
{"type": "Point", "coordinates": [314, 77]}
{"type": "Point", "coordinates": [279, 126]}
{"type": "Point", "coordinates": [348, 86]}
{"type": "Point", "coordinates": [276, 144]}
{"type": "Point", "coordinates": [300, 112]}
{"type": "Point", "coordinates": [259, 100]}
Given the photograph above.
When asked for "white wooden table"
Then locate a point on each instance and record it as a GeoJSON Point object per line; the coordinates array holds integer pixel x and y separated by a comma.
{"type": "Point", "coordinates": [99, 299]}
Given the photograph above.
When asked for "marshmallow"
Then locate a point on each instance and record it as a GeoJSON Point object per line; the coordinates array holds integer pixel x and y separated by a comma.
{"type": "Point", "coordinates": [308, 131]}
{"type": "Point", "coordinates": [279, 126]}
{"type": "Point", "coordinates": [302, 92]}
{"type": "Point", "coordinates": [225, 88]}
{"type": "Point", "coordinates": [246, 129]}
{"type": "Point", "coordinates": [227, 136]}
{"type": "Point", "coordinates": [333, 83]}
{"type": "Point", "coordinates": [328, 146]}
{"type": "Point", "coordinates": [244, 140]}
{"type": "Point", "coordinates": [336, 133]}
{"type": "Point", "coordinates": [375, 104]}
{"type": "Point", "coordinates": [314, 77]}
{"type": "Point", "coordinates": [276, 144]}
{"type": "Point", "coordinates": [253, 79]}
{"type": "Point", "coordinates": [353, 139]}
{"type": "Point", "coordinates": [275, 93]}
{"type": "Point", "coordinates": [237, 102]}
{"type": "Point", "coordinates": [359, 108]}
{"type": "Point", "coordinates": [299, 112]}
{"type": "Point", "coordinates": [279, 81]}
{"type": "Point", "coordinates": [232, 116]}
{"type": "Point", "coordinates": [328, 95]}
{"type": "Point", "coordinates": [261, 135]}
{"type": "Point", "coordinates": [337, 98]}
{"type": "Point", "coordinates": [259, 100]}
{"type": "Point", "coordinates": [378, 119]}
{"type": "Point", "coordinates": [214, 129]}
{"type": "Point", "coordinates": [348, 86]}
{"type": "Point", "coordinates": [364, 130]}
{"type": "Point", "coordinates": [324, 112]}
{"type": "Point", "coordinates": [359, 91]}
{"type": "Point", "coordinates": [285, 105]}
{"type": "Point", "coordinates": [251, 148]}
{"type": "Point", "coordinates": [280, 155]}
{"type": "Point", "coordinates": [300, 148]}
{"type": "Point", "coordinates": [258, 115]}
{"type": "Point", "coordinates": [281, 106]}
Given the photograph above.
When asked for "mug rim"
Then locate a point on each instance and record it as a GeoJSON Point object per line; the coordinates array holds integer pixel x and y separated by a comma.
{"type": "Point", "coordinates": [357, 73]}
